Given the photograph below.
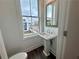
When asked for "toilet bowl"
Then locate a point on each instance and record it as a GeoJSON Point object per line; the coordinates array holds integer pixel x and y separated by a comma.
{"type": "Point", "coordinates": [21, 55]}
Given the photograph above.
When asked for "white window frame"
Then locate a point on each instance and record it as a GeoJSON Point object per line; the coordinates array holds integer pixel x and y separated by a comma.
{"type": "Point", "coordinates": [41, 17]}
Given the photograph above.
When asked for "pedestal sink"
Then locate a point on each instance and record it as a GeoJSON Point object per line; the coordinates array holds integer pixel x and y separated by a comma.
{"type": "Point", "coordinates": [47, 37]}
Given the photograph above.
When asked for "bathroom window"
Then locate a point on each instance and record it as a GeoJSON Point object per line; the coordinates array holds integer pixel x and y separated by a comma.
{"type": "Point", "coordinates": [30, 14]}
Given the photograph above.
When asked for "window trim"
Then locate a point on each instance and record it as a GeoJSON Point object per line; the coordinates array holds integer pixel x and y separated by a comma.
{"type": "Point", "coordinates": [30, 16]}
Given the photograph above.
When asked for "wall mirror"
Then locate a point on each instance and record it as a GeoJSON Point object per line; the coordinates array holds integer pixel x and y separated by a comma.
{"type": "Point", "coordinates": [51, 16]}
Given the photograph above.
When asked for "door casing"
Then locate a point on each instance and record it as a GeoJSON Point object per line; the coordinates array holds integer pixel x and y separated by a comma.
{"type": "Point", "coordinates": [62, 25]}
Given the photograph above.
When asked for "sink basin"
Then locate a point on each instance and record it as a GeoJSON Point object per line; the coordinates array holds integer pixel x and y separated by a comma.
{"type": "Point", "coordinates": [47, 36]}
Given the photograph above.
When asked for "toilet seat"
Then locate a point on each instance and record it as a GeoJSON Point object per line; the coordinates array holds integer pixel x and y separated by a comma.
{"type": "Point", "coordinates": [21, 55]}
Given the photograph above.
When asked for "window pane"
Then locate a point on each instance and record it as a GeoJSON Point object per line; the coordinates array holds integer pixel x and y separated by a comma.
{"type": "Point", "coordinates": [49, 21]}
{"type": "Point", "coordinates": [27, 23]}
{"type": "Point", "coordinates": [54, 21]}
{"type": "Point", "coordinates": [25, 7]}
{"type": "Point", "coordinates": [34, 7]}
{"type": "Point", "coordinates": [49, 11]}
{"type": "Point", "coordinates": [35, 24]}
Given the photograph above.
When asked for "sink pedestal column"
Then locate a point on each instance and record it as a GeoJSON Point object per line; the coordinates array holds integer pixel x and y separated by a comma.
{"type": "Point", "coordinates": [46, 47]}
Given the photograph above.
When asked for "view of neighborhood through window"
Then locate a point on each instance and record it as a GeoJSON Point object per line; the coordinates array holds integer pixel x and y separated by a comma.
{"type": "Point", "coordinates": [29, 9]}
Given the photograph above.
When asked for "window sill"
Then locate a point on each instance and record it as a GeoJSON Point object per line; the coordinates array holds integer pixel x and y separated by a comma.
{"type": "Point", "coordinates": [30, 35]}
{"type": "Point", "coordinates": [34, 33]}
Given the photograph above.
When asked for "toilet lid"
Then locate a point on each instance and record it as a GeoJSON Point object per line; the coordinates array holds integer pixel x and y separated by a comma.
{"type": "Point", "coordinates": [21, 55]}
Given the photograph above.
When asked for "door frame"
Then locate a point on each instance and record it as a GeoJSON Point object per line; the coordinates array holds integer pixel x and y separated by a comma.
{"type": "Point", "coordinates": [64, 6]}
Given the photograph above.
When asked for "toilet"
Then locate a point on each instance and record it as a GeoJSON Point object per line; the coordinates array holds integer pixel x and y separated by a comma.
{"type": "Point", "coordinates": [21, 55]}
{"type": "Point", "coordinates": [3, 53]}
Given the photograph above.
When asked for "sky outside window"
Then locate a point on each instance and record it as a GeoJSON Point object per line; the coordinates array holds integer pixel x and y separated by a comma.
{"type": "Point", "coordinates": [29, 7]}
{"type": "Point", "coordinates": [34, 8]}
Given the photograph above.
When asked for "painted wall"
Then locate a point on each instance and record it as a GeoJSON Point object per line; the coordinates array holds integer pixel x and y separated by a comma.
{"type": "Point", "coordinates": [11, 26]}
{"type": "Point", "coordinates": [49, 1]}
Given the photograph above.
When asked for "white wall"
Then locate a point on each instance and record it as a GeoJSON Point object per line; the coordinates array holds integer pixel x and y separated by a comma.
{"type": "Point", "coordinates": [11, 26]}
{"type": "Point", "coordinates": [41, 14]}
